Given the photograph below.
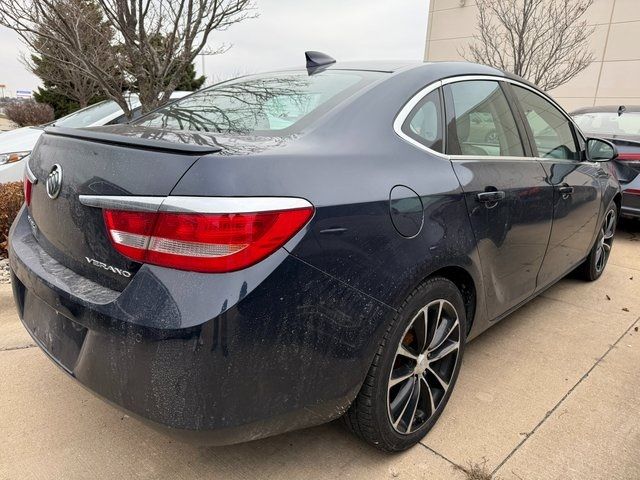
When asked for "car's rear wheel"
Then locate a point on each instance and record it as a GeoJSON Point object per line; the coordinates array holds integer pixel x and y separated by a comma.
{"type": "Point", "coordinates": [596, 262]}
{"type": "Point", "coordinates": [415, 369]}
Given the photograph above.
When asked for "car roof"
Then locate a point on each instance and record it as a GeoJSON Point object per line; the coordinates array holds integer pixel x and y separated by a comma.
{"type": "Point", "coordinates": [388, 66]}
{"type": "Point", "coordinates": [607, 109]}
{"type": "Point", "coordinates": [394, 66]}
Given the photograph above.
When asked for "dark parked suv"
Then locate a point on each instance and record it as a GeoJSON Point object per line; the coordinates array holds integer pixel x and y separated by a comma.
{"type": "Point", "coordinates": [284, 249]}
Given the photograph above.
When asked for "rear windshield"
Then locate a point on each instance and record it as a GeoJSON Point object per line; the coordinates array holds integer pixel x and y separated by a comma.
{"type": "Point", "coordinates": [609, 123]}
{"type": "Point", "coordinates": [275, 104]}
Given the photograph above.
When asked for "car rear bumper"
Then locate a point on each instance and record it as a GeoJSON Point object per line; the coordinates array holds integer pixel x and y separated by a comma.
{"type": "Point", "coordinates": [216, 358]}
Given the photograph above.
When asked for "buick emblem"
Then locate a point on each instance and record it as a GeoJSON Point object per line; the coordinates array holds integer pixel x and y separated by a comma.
{"type": "Point", "coordinates": [54, 181]}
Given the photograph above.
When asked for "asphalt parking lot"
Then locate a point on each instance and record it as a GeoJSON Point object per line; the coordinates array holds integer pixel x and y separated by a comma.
{"type": "Point", "coordinates": [552, 392]}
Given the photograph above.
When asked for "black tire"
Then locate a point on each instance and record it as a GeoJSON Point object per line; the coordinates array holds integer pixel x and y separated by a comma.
{"type": "Point", "coordinates": [593, 267]}
{"type": "Point", "coordinates": [371, 416]}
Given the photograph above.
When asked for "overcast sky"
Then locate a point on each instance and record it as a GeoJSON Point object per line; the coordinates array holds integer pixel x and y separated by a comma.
{"type": "Point", "coordinates": [345, 29]}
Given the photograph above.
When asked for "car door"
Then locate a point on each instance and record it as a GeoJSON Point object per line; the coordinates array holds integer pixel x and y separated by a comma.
{"type": "Point", "coordinates": [508, 205]}
{"type": "Point", "coordinates": [575, 183]}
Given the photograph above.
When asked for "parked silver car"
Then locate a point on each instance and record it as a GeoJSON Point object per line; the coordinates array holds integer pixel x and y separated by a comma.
{"type": "Point", "coordinates": [16, 145]}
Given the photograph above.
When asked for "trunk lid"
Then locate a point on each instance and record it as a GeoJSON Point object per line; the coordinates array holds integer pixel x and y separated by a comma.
{"type": "Point", "coordinates": [107, 161]}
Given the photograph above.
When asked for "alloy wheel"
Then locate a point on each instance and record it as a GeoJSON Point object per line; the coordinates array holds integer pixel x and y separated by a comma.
{"type": "Point", "coordinates": [605, 240]}
{"type": "Point", "coordinates": [424, 366]}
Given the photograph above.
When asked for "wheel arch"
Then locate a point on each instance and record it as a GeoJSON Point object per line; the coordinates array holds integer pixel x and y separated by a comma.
{"type": "Point", "coordinates": [617, 199]}
{"type": "Point", "coordinates": [464, 282]}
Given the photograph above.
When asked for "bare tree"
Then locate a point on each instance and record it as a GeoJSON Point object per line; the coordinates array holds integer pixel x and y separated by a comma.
{"type": "Point", "coordinates": [543, 41]}
{"type": "Point", "coordinates": [154, 40]}
{"type": "Point", "coordinates": [161, 38]}
{"type": "Point", "coordinates": [71, 39]}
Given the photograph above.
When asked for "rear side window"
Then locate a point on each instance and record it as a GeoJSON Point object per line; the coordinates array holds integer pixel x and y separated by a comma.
{"type": "Point", "coordinates": [275, 103]}
{"type": "Point", "coordinates": [424, 123]}
{"type": "Point", "coordinates": [552, 131]}
{"type": "Point", "coordinates": [483, 124]}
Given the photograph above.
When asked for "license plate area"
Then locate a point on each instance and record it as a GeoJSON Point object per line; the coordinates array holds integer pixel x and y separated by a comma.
{"type": "Point", "coordinates": [59, 336]}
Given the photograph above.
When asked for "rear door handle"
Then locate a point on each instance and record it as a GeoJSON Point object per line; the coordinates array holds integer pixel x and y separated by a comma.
{"type": "Point", "coordinates": [491, 197]}
{"type": "Point", "coordinates": [565, 191]}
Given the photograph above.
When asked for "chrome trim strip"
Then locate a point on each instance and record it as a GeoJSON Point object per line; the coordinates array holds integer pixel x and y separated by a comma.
{"type": "Point", "coordinates": [127, 203]}
{"type": "Point", "coordinates": [29, 174]}
{"type": "Point", "coordinates": [194, 204]}
{"type": "Point", "coordinates": [406, 110]}
{"type": "Point", "coordinates": [513, 81]}
{"type": "Point", "coordinates": [232, 204]}
{"type": "Point", "coordinates": [563, 160]}
{"type": "Point", "coordinates": [497, 158]}
{"type": "Point", "coordinates": [491, 158]}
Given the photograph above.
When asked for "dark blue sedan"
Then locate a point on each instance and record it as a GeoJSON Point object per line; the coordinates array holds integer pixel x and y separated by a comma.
{"type": "Point", "coordinates": [281, 250]}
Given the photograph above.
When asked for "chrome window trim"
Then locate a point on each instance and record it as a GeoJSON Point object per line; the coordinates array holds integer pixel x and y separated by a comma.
{"type": "Point", "coordinates": [498, 158]}
{"type": "Point", "coordinates": [29, 174]}
{"type": "Point", "coordinates": [480, 158]}
{"type": "Point", "coordinates": [513, 81]}
{"type": "Point", "coordinates": [563, 160]}
{"type": "Point", "coordinates": [546, 97]}
{"type": "Point", "coordinates": [194, 204]}
{"type": "Point", "coordinates": [401, 117]}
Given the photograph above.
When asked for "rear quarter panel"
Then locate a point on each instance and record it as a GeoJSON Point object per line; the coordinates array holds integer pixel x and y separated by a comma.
{"type": "Point", "coordinates": [347, 166]}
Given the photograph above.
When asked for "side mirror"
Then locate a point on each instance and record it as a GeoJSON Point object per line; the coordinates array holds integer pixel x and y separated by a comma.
{"type": "Point", "coordinates": [599, 150]}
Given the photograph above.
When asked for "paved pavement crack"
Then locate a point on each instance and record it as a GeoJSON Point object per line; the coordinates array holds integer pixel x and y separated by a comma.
{"type": "Point", "coordinates": [550, 412]}
{"type": "Point", "coordinates": [438, 454]}
{"type": "Point", "coordinates": [21, 347]}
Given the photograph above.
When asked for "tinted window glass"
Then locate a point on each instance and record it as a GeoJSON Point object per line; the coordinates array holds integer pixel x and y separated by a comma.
{"type": "Point", "coordinates": [551, 130]}
{"type": "Point", "coordinates": [90, 115]}
{"type": "Point", "coordinates": [122, 119]}
{"type": "Point", "coordinates": [270, 103]}
{"type": "Point", "coordinates": [484, 123]}
{"type": "Point", "coordinates": [424, 123]}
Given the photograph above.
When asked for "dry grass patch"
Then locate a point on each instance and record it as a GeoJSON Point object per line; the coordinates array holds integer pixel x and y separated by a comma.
{"type": "Point", "coordinates": [478, 471]}
{"type": "Point", "coordinates": [26, 114]}
{"type": "Point", "coordinates": [11, 199]}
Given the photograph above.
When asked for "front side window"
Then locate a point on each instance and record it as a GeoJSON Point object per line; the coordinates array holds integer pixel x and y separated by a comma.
{"type": "Point", "coordinates": [483, 123]}
{"type": "Point", "coordinates": [552, 131]}
{"type": "Point", "coordinates": [424, 123]}
{"type": "Point", "coordinates": [270, 104]}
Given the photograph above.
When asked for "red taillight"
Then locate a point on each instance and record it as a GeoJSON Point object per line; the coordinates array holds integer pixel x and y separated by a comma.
{"type": "Point", "coordinates": [628, 157]}
{"type": "Point", "coordinates": [27, 186]}
{"type": "Point", "coordinates": [203, 242]}
{"type": "Point", "coordinates": [632, 191]}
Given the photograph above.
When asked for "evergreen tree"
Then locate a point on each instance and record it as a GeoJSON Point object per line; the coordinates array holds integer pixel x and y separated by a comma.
{"type": "Point", "coordinates": [62, 105]}
{"type": "Point", "coordinates": [189, 82]}
{"type": "Point", "coordinates": [64, 88]}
